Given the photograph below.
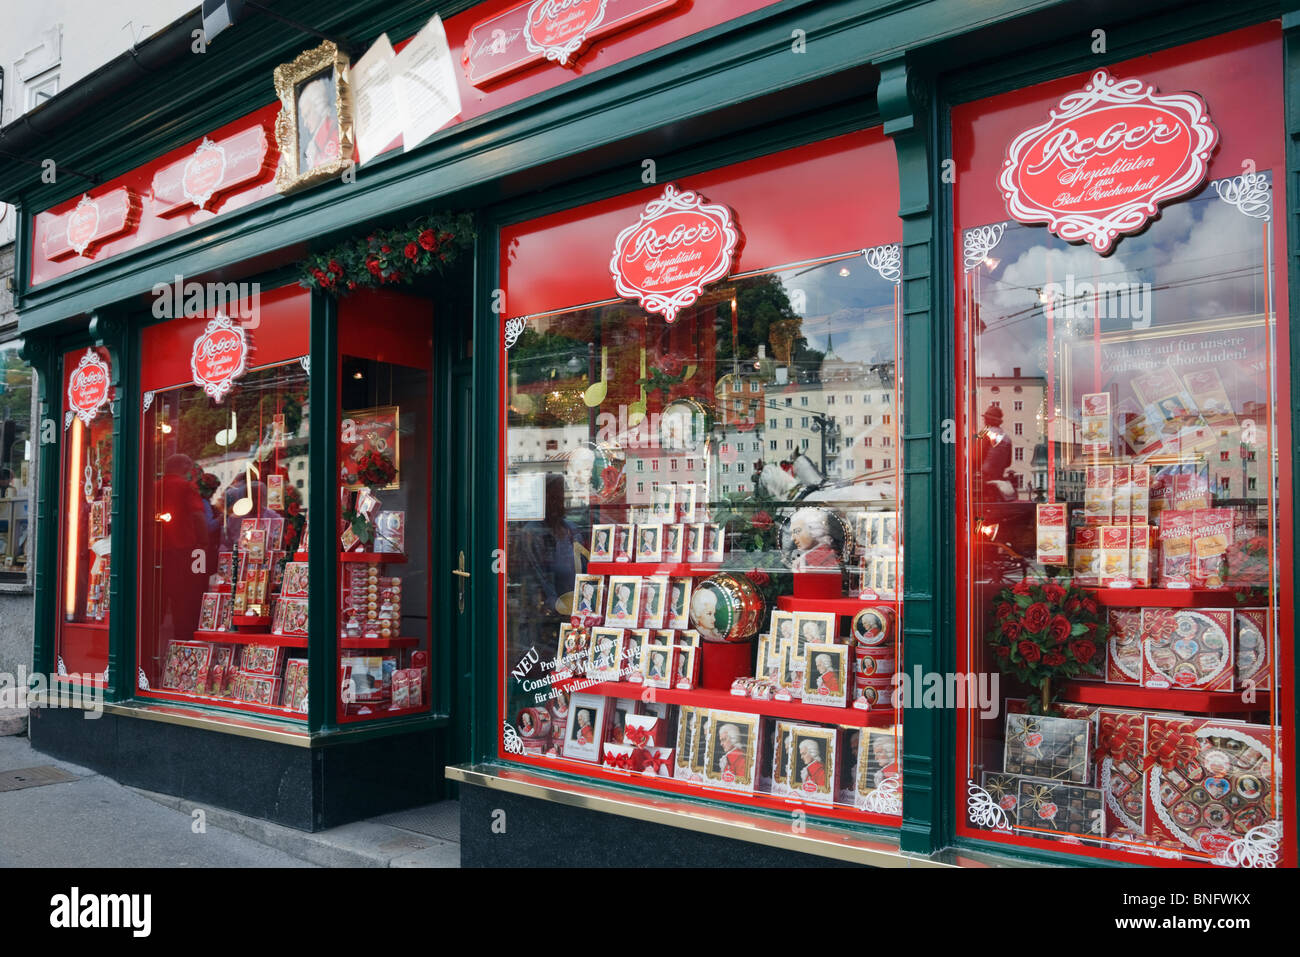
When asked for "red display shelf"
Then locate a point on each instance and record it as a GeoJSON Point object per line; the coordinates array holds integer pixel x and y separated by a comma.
{"type": "Point", "coordinates": [1174, 597]}
{"type": "Point", "coordinates": [274, 711]}
{"type": "Point", "coordinates": [841, 606]}
{"type": "Point", "coordinates": [378, 642]}
{"type": "Point", "coordinates": [648, 569]}
{"type": "Point", "coordinates": [250, 621]}
{"type": "Point", "coordinates": [382, 558]}
{"type": "Point", "coordinates": [252, 638]}
{"type": "Point", "coordinates": [725, 701]}
{"type": "Point", "coordinates": [299, 556]}
{"type": "Point", "coordinates": [90, 625]}
{"type": "Point", "coordinates": [382, 710]}
{"type": "Point", "coordinates": [1159, 699]}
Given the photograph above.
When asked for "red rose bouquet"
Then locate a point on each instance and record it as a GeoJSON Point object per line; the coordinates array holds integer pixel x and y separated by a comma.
{"type": "Point", "coordinates": [1042, 630]}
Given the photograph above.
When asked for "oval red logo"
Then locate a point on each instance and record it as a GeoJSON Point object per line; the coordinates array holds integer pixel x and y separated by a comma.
{"type": "Point", "coordinates": [83, 224]}
{"type": "Point", "coordinates": [1033, 739]}
{"type": "Point", "coordinates": [1047, 811]}
{"type": "Point", "coordinates": [203, 173]}
{"type": "Point", "coordinates": [559, 28]}
{"type": "Point", "coordinates": [678, 246]}
{"type": "Point", "coordinates": [1215, 842]}
{"type": "Point", "coordinates": [1106, 159]}
{"type": "Point", "coordinates": [88, 386]}
{"type": "Point", "coordinates": [219, 357]}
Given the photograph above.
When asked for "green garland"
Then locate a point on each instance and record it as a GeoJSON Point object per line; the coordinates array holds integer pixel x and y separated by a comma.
{"type": "Point", "coordinates": [386, 257]}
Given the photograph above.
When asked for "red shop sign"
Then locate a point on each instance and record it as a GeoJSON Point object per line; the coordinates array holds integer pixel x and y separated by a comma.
{"type": "Point", "coordinates": [213, 168]}
{"type": "Point", "coordinates": [1105, 160]}
{"type": "Point", "coordinates": [678, 246]}
{"type": "Point", "coordinates": [220, 356]}
{"type": "Point", "coordinates": [538, 31]}
{"type": "Point", "coordinates": [91, 222]}
{"type": "Point", "coordinates": [88, 387]}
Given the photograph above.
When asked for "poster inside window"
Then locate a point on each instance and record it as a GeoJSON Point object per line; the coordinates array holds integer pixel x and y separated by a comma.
{"type": "Point", "coordinates": [701, 493]}
{"type": "Point", "coordinates": [223, 509]}
{"type": "Point", "coordinates": [1123, 331]}
{"type": "Point", "coordinates": [86, 492]}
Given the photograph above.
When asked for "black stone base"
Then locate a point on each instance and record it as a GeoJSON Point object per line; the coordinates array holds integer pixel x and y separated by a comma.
{"type": "Point", "coordinates": [540, 833]}
{"type": "Point", "coordinates": [306, 788]}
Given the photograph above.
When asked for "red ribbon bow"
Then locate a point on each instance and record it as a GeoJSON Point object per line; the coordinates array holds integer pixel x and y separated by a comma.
{"type": "Point", "coordinates": [636, 736]}
{"type": "Point", "coordinates": [659, 764]}
{"type": "Point", "coordinates": [1173, 744]}
{"type": "Point", "coordinates": [621, 762]}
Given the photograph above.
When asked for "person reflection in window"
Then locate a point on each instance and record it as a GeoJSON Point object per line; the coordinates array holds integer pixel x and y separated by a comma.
{"type": "Point", "coordinates": [182, 529]}
{"type": "Point", "coordinates": [993, 458]}
{"type": "Point", "coordinates": [549, 562]}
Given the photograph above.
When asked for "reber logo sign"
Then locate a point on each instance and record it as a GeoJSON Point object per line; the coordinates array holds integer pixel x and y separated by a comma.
{"type": "Point", "coordinates": [220, 356]}
{"type": "Point", "coordinates": [1106, 159]}
{"type": "Point", "coordinates": [678, 246]}
{"type": "Point", "coordinates": [558, 29]}
{"type": "Point", "coordinates": [88, 387]}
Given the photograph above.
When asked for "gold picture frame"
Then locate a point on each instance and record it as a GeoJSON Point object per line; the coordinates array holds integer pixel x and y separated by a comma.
{"type": "Point", "coordinates": [315, 97]}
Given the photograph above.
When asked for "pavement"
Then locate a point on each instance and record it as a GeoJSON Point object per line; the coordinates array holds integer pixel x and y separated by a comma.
{"type": "Point", "coordinates": [87, 820]}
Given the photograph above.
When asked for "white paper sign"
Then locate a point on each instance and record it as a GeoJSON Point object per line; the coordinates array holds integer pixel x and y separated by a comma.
{"type": "Point", "coordinates": [379, 118]}
{"type": "Point", "coordinates": [426, 83]}
{"type": "Point", "coordinates": [526, 497]}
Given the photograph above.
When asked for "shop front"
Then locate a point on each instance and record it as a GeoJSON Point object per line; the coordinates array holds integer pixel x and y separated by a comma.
{"type": "Point", "coordinates": [751, 433]}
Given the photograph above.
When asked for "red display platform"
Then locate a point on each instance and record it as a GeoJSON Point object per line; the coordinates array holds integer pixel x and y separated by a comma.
{"type": "Point", "coordinates": [725, 701]}
{"type": "Point", "coordinates": [1159, 699]}
{"type": "Point", "coordinates": [841, 606]}
{"type": "Point", "coordinates": [821, 586]}
{"type": "Point", "coordinates": [649, 569]}
{"type": "Point", "coordinates": [250, 621]}
{"type": "Point", "coordinates": [381, 558]}
{"type": "Point", "coordinates": [378, 642]}
{"type": "Point", "coordinates": [1176, 597]}
{"type": "Point", "coordinates": [252, 638]}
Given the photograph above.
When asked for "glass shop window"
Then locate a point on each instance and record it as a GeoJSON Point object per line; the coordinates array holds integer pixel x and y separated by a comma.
{"type": "Point", "coordinates": [16, 459]}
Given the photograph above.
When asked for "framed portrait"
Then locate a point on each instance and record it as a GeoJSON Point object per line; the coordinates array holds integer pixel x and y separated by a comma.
{"type": "Point", "coordinates": [871, 626]}
{"type": "Point", "coordinates": [687, 721]}
{"type": "Point", "coordinates": [687, 666]}
{"type": "Point", "coordinates": [588, 594]}
{"type": "Point", "coordinates": [363, 431]}
{"type": "Point", "coordinates": [780, 757]}
{"type": "Point", "coordinates": [695, 542]}
{"type": "Point", "coordinates": [582, 730]}
{"type": "Point", "coordinates": [314, 128]}
{"type": "Point", "coordinates": [878, 765]}
{"type": "Point", "coordinates": [616, 720]}
{"type": "Point", "coordinates": [782, 627]}
{"type": "Point", "coordinates": [812, 626]}
{"type": "Point", "coordinates": [657, 660]}
{"type": "Point", "coordinates": [674, 543]}
{"type": "Point", "coordinates": [686, 502]}
{"type": "Point", "coordinates": [661, 503]}
{"type": "Point", "coordinates": [636, 639]}
{"type": "Point", "coordinates": [732, 748]}
{"type": "Point", "coordinates": [765, 662]}
{"type": "Point", "coordinates": [605, 654]}
{"type": "Point", "coordinates": [654, 601]}
{"type": "Point", "coordinates": [623, 542]}
{"type": "Point", "coordinates": [714, 543]}
{"type": "Point", "coordinates": [812, 757]}
{"type": "Point", "coordinates": [624, 602]}
{"type": "Point", "coordinates": [677, 612]}
{"type": "Point", "coordinates": [602, 543]}
{"type": "Point", "coordinates": [649, 542]}
{"type": "Point", "coordinates": [571, 652]}
{"type": "Point", "coordinates": [826, 672]}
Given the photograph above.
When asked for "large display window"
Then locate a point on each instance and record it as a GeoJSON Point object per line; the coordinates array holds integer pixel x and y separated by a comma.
{"type": "Point", "coordinates": [385, 492]}
{"type": "Point", "coordinates": [1123, 502]}
{"type": "Point", "coordinates": [86, 497]}
{"type": "Point", "coordinates": [223, 582]}
{"type": "Point", "coordinates": [701, 492]}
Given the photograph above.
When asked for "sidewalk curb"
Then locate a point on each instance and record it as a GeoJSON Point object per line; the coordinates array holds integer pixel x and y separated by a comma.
{"type": "Point", "coordinates": [361, 844]}
{"type": "Point", "coordinates": [13, 721]}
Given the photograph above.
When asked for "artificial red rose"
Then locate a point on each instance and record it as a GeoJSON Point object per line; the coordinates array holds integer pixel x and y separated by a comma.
{"type": "Point", "coordinates": [335, 268]}
{"type": "Point", "coordinates": [1030, 651]}
{"type": "Point", "coordinates": [1003, 652]}
{"type": "Point", "coordinates": [351, 284]}
{"type": "Point", "coordinates": [1004, 610]}
{"type": "Point", "coordinates": [373, 265]}
{"type": "Point", "coordinates": [1090, 606]}
{"type": "Point", "coordinates": [1036, 617]}
{"type": "Point", "coordinates": [385, 249]}
{"type": "Point", "coordinates": [1022, 587]}
{"type": "Point", "coordinates": [758, 576]}
{"type": "Point", "coordinates": [1059, 629]}
{"type": "Point", "coordinates": [670, 364]}
{"type": "Point", "coordinates": [1073, 605]}
{"type": "Point", "coordinates": [411, 251]}
{"type": "Point", "coordinates": [428, 240]}
{"type": "Point", "coordinates": [1083, 650]}
{"type": "Point", "coordinates": [318, 275]}
{"type": "Point", "coordinates": [1012, 630]}
{"type": "Point", "coordinates": [761, 520]}
{"type": "Point", "coordinates": [1053, 592]}
{"type": "Point", "coordinates": [1053, 659]}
